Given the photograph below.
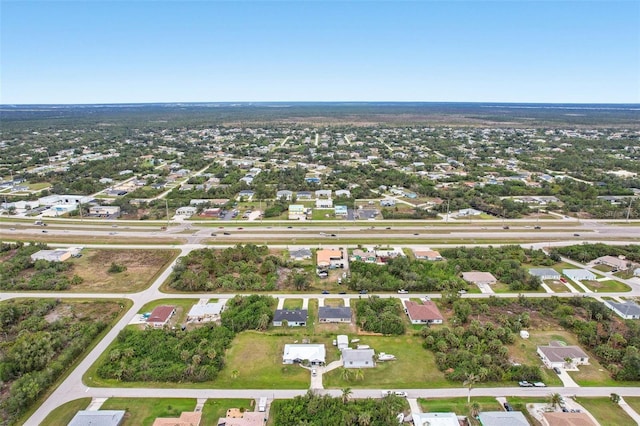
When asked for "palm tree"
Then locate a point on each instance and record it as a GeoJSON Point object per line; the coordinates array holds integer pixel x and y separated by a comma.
{"type": "Point", "coordinates": [346, 394]}
{"type": "Point", "coordinates": [263, 322]}
{"type": "Point", "coordinates": [475, 408]}
{"type": "Point", "coordinates": [359, 374]}
{"type": "Point", "coordinates": [471, 380]}
{"type": "Point", "coordinates": [555, 399]}
{"type": "Point", "coordinates": [346, 374]}
{"type": "Point", "coordinates": [364, 419]}
{"type": "Point", "coordinates": [235, 374]}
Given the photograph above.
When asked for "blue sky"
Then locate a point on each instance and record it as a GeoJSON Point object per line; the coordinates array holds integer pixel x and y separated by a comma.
{"type": "Point", "coordinates": [180, 51]}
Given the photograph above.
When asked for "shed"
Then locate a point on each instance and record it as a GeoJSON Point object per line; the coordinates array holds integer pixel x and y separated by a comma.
{"type": "Point", "coordinates": [342, 341]}
{"type": "Point", "coordinates": [51, 255]}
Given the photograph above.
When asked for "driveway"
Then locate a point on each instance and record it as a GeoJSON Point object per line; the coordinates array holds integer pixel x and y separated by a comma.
{"type": "Point", "coordinates": [567, 381]}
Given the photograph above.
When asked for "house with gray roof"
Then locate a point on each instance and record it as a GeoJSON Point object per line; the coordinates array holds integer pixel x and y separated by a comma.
{"type": "Point", "coordinates": [502, 418]}
{"type": "Point", "coordinates": [579, 274]}
{"type": "Point", "coordinates": [545, 273]}
{"type": "Point", "coordinates": [98, 418]}
{"type": "Point", "coordinates": [557, 354]}
{"type": "Point", "coordinates": [294, 317]}
{"type": "Point", "coordinates": [358, 358]}
{"type": "Point", "coordinates": [329, 314]}
{"type": "Point", "coordinates": [300, 253]}
{"type": "Point", "coordinates": [626, 310]}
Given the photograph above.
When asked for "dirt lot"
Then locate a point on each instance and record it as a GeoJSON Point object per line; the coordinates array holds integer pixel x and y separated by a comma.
{"type": "Point", "coordinates": [143, 266]}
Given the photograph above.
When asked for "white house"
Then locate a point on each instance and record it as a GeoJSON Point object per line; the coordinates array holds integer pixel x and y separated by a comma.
{"type": "Point", "coordinates": [205, 312]}
{"type": "Point", "coordinates": [435, 419]}
{"type": "Point", "coordinates": [358, 358]}
{"type": "Point", "coordinates": [322, 203]}
{"type": "Point", "coordinates": [626, 310]}
{"type": "Point", "coordinates": [98, 417]}
{"type": "Point", "coordinates": [186, 211]}
{"type": "Point", "coordinates": [557, 354]}
{"type": "Point", "coordinates": [545, 273]}
{"type": "Point", "coordinates": [284, 194]}
{"type": "Point", "coordinates": [297, 353]}
{"type": "Point", "coordinates": [579, 274]}
{"type": "Point", "coordinates": [297, 212]}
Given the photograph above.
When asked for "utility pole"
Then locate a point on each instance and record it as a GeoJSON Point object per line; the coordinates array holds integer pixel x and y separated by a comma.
{"type": "Point", "coordinates": [166, 206]}
{"type": "Point", "coordinates": [629, 209]}
{"type": "Point", "coordinates": [448, 210]}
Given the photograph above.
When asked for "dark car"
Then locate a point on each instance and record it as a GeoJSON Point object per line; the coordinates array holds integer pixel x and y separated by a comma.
{"type": "Point", "coordinates": [505, 227]}
{"type": "Point", "coordinates": [325, 291]}
{"type": "Point", "coordinates": [557, 370]}
{"type": "Point", "coordinates": [226, 233]}
{"type": "Point", "coordinates": [576, 235]}
{"type": "Point", "coordinates": [343, 292]}
{"type": "Point", "coordinates": [507, 406]}
{"type": "Point", "coordinates": [363, 291]}
{"type": "Point", "coordinates": [333, 235]}
{"type": "Point", "coordinates": [537, 227]}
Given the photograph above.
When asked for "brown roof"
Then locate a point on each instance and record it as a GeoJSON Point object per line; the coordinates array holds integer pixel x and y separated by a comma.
{"type": "Point", "coordinates": [249, 418]}
{"type": "Point", "coordinates": [568, 419]}
{"type": "Point", "coordinates": [161, 314]}
{"type": "Point", "coordinates": [430, 254]}
{"type": "Point", "coordinates": [324, 256]}
{"type": "Point", "coordinates": [185, 419]}
{"type": "Point", "coordinates": [427, 311]}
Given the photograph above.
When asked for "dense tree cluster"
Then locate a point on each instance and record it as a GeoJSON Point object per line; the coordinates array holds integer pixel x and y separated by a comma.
{"type": "Point", "coordinates": [322, 410]}
{"type": "Point", "coordinates": [587, 252]}
{"type": "Point", "coordinates": [504, 262]}
{"type": "Point", "coordinates": [19, 272]}
{"type": "Point", "coordinates": [380, 315]}
{"type": "Point", "coordinates": [163, 355]}
{"type": "Point", "coordinates": [36, 349]}
{"type": "Point", "coordinates": [253, 312]}
{"type": "Point", "coordinates": [243, 267]}
{"type": "Point", "coordinates": [404, 273]}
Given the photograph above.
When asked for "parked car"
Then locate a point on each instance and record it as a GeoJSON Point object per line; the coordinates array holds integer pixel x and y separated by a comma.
{"type": "Point", "coordinates": [226, 233]}
{"type": "Point", "coordinates": [507, 406]}
{"type": "Point", "coordinates": [325, 291]}
{"type": "Point", "coordinates": [576, 235]}
{"type": "Point", "coordinates": [314, 372]}
{"type": "Point", "coordinates": [525, 384]}
{"type": "Point", "coordinates": [401, 393]}
{"type": "Point", "coordinates": [557, 370]}
{"type": "Point", "coordinates": [537, 227]}
{"type": "Point", "coordinates": [401, 291]}
{"type": "Point", "coordinates": [343, 292]}
{"type": "Point", "coordinates": [462, 291]}
{"type": "Point", "coordinates": [539, 385]}
{"type": "Point", "coordinates": [363, 291]}
{"type": "Point", "coordinates": [505, 227]}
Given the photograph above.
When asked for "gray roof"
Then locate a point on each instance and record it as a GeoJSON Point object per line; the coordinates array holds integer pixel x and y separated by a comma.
{"type": "Point", "coordinates": [555, 352]}
{"type": "Point", "coordinates": [334, 312]}
{"type": "Point", "coordinates": [503, 418]}
{"type": "Point", "coordinates": [544, 272]}
{"type": "Point", "coordinates": [626, 308]}
{"type": "Point", "coordinates": [97, 418]}
{"type": "Point", "coordinates": [296, 315]}
{"type": "Point", "coordinates": [301, 252]}
{"type": "Point", "coordinates": [357, 355]}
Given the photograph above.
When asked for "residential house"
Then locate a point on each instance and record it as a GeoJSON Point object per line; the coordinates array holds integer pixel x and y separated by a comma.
{"type": "Point", "coordinates": [479, 278]}
{"type": "Point", "coordinates": [435, 419]}
{"type": "Point", "coordinates": [284, 194]}
{"type": "Point", "coordinates": [186, 211]}
{"type": "Point", "coordinates": [312, 179]}
{"type": "Point", "coordinates": [322, 203]}
{"type": "Point", "coordinates": [297, 212]}
{"type": "Point", "coordinates": [328, 314]}
{"type": "Point", "coordinates": [192, 418]}
{"type": "Point", "coordinates": [297, 353]}
{"type": "Point", "coordinates": [626, 310]}
{"type": "Point", "coordinates": [51, 255]}
{"type": "Point", "coordinates": [579, 274]}
{"type": "Point", "coordinates": [387, 202]}
{"type": "Point", "coordinates": [246, 195]}
{"type": "Point", "coordinates": [206, 312]}
{"type": "Point", "coordinates": [358, 358]}
{"type": "Point", "coordinates": [423, 313]}
{"type": "Point", "coordinates": [502, 418]}
{"type": "Point", "coordinates": [557, 354]}
{"type": "Point", "coordinates": [293, 317]}
{"type": "Point", "coordinates": [161, 315]}
{"type": "Point", "coordinates": [343, 193]}
{"type": "Point", "coordinates": [341, 211]}
{"type": "Point", "coordinates": [328, 258]}
{"type": "Point", "coordinates": [98, 417]}
{"type": "Point", "coordinates": [303, 195]}
{"type": "Point", "coordinates": [300, 253]}
{"type": "Point", "coordinates": [431, 255]}
{"type": "Point", "coordinates": [559, 418]}
{"type": "Point", "coordinates": [235, 417]}
{"type": "Point", "coordinates": [323, 193]}
{"type": "Point", "coordinates": [468, 212]}
{"type": "Point", "coordinates": [620, 264]}
{"type": "Point", "coordinates": [364, 256]}
{"type": "Point", "coordinates": [545, 273]}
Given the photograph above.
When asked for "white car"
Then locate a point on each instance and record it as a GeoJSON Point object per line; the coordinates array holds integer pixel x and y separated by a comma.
{"type": "Point", "coordinates": [539, 385]}
{"type": "Point", "coordinates": [401, 291]}
{"type": "Point", "coordinates": [396, 393]}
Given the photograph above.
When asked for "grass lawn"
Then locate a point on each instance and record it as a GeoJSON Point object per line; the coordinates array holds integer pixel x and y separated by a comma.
{"type": "Point", "coordinates": [459, 406]}
{"type": "Point", "coordinates": [322, 214]}
{"type": "Point", "coordinates": [595, 375]}
{"type": "Point", "coordinates": [38, 186]}
{"type": "Point", "coordinates": [563, 265]}
{"type": "Point", "coordinates": [558, 286]}
{"type": "Point", "coordinates": [254, 361]}
{"type": "Point", "coordinates": [521, 403]}
{"type": "Point", "coordinates": [292, 304]}
{"type": "Point", "coordinates": [606, 286]}
{"type": "Point", "coordinates": [215, 408]}
{"type": "Point", "coordinates": [414, 367]}
{"type": "Point", "coordinates": [62, 415]}
{"type": "Point", "coordinates": [144, 411]}
{"type": "Point", "coordinates": [334, 302]}
{"type": "Point", "coordinates": [143, 267]}
{"type": "Point", "coordinates": [524, 351]}
{"type": "Point", "coordinates": [606, 412]}
{"type": "Point", "coordinates": [182, 308]}
{"type": "Point", "coordinates": [634, 402]}
{"type": "Point", "coordinates": [603, 268]}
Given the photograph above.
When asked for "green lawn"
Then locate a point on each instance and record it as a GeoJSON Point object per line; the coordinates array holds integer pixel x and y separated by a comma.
{"type": "Point", "coordinates": [606, 412]}
{"type": "Point", "coordinates": [414, 367]}
{"type": "Point", "coordinates": [558, 286]}
{"type": "Point", "coordinates": [606, 286]}
{"type": "Point", "coordinates": [634, 402]}
{"type": "Point", "coordinates": [459, 406]}
{"type": "Point", "coordinates": [292, 304]}
{"type": "Point", "coordinates": [215, 408]}
{"type": "Point", "coordinates": [143, 411]}
{"type": "Point", "coordinates": [62, 415]}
